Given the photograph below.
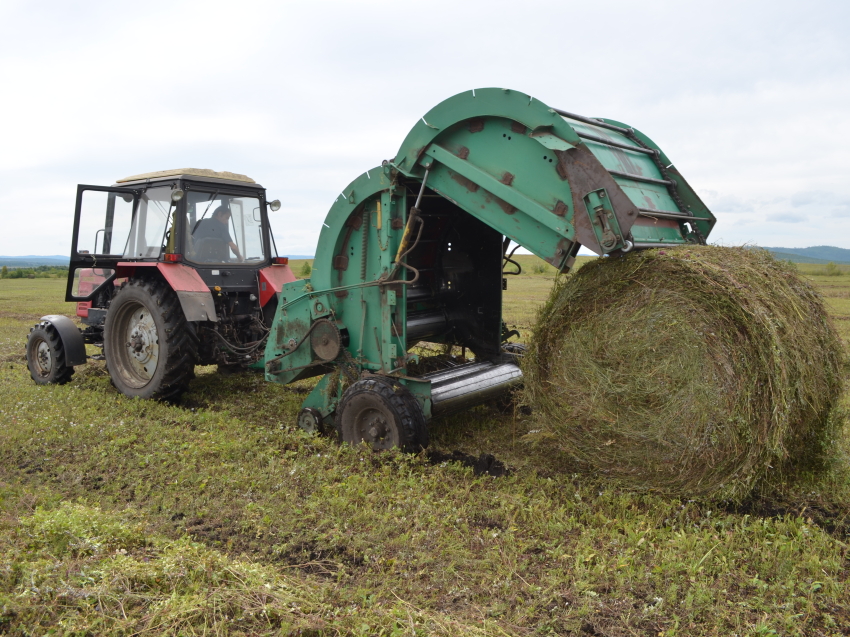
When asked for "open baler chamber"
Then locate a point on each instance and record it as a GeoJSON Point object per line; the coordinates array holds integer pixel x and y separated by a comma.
{"type": "Point", "coordinates": [414, 250]}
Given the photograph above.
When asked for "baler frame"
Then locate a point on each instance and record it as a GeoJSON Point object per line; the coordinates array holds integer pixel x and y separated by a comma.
{"type": "Point", "coordinates": [543, 178]}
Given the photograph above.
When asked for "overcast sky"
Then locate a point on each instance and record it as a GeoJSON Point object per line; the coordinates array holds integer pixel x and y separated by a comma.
{"type": "Point", "coordinates": [751, 100]}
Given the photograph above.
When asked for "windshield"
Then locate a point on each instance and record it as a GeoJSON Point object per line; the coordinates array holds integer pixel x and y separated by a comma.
{"type": "Point", "coordinates": [223, 228]}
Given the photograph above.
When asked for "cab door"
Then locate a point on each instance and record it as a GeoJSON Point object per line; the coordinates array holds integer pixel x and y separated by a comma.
{"type": "Point", "coordinates": [103, 223]}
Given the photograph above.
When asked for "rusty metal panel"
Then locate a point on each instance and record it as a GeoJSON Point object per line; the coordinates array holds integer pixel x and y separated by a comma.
{"type": "Point", "coordinates": [585, 174]}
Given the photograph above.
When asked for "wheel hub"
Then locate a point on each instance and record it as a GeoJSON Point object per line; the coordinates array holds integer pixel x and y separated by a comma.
{"type": "Point", "coordinates": [374, 428]}
{"type": "Point", "coordinates": [43, 358]}
{"type": "Point", "coordinates": [142, 343]}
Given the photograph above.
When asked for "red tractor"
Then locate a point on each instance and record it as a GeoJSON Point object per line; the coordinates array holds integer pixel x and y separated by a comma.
{"type": "Point", "coordinates": [169, 270]}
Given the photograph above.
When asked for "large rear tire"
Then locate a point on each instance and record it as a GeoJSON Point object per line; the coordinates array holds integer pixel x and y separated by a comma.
{"type": "Point", "coordinates": [385, 416]}
{"type": "Point", "coordinates": [149, 346]}
{"type": "Point", "coordinates": [46, 356]}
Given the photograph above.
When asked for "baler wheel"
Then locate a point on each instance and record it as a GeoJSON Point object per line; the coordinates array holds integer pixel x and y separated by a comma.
{"type": "Point", "coordinates": [385, 416]}
{"type": "Point", "coordinates": [150, 347]}
{"type": "Point", "coordinates": [46, 356]}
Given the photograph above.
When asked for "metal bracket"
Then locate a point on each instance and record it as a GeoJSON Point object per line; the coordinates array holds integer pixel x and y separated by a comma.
{"type": "Point", "coordinates": [603, 220]}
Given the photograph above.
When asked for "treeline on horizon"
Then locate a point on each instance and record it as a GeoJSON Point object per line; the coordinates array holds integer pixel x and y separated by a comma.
{"type": "Point", "coordinates": [37, 272]}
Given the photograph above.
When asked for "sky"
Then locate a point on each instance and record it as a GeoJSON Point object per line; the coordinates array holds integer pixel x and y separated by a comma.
{"type": "Point", "coordinates": [751, 100]}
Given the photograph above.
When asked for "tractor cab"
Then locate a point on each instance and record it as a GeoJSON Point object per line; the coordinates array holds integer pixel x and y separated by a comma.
{"type": "Point", "coordinates": [212, 222]}
{"type": "Point", "coordinates": [168, 269]}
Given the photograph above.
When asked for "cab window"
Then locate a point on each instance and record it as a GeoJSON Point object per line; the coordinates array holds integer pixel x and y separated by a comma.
{"type": "Point", "coordinates": [147, 234]}
{"type": "Point", "coordinates": [223, 228]}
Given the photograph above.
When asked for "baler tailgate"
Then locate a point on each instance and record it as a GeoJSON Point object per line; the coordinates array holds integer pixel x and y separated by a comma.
{"type": "Point", "coordinates": [584, 181]}
{"type": "Point", "coordinates": [640, 173]}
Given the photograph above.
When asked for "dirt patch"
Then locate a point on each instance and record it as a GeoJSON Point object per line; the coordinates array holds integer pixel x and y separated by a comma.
{"type": "Point", "coordinates": [18, 316]}
{"type": "Point", "coordinates": [483, 465]}
{"type": "Point", "coordinates": [833, 519]}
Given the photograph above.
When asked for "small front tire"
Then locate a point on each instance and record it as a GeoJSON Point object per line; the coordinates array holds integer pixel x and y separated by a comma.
{"type": "Point", "coordinates": [311, 421]}
{"type": "Point", "coordinates": [46, 356]}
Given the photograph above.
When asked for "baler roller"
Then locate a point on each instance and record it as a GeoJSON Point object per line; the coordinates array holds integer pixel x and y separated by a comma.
{"type": "Point", "coordinates": [470, 384]}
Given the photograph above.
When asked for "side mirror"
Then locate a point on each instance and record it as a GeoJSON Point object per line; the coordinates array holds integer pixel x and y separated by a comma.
{"type": "Point", "coordinates": [275, 205]}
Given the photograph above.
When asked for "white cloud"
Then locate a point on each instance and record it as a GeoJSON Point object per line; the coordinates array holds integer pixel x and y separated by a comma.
{"type": "Point", "coordinates": [787, 218]}
{"type": "Point", "coordinates": [750, 100]}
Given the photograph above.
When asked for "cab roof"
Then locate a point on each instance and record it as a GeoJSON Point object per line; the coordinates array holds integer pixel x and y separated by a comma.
{"type": "Point", "coordinates": [204, 173]}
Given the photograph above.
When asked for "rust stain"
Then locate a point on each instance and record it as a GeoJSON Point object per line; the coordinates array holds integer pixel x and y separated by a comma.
{"type": "Point", "coordinates": [355, 220]}
{"type": "Point", "coordinates": [507, 179]}
{"type": "Point", "coordinates": [518, 128]}
{"type": "Point", "coordinates": [652, 222]}
{"type": "Point", "coordinates": [470, 185]}
{"type": "Point", "coordinates": [649, 202]}
{"type": "Point", "coordinates": [294, 329]}
{"type": "Point", "coordinates": [463, 152]}
{"type": "Point", "coordinates": [340, 262]}
{"type": "Point", "coordinates": [476, 125]}
{"type": "Point", "coordinates": [505, 206]}
{"type": "Point", "coordinates": [561, 209]}
{"type": "Point", "coordinates": [397, 223]}
{"type": "Point", "coordinates": [626, 162]}
{"type": "Point", "coordinates": [341, 294]}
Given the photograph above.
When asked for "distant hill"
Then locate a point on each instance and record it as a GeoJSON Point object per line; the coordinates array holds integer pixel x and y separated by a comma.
{"type": "Point", "coordinates": [33, 261]}
{"type": "Point", "coordinates": [815, 254]}
{"type": "Point", "coordinates": [796, 258]}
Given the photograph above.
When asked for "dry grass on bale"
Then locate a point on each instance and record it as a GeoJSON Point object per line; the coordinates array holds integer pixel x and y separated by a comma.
{"type": "Point", "coordinates": [697, 370]}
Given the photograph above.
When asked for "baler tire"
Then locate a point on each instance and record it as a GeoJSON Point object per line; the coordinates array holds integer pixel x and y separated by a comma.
{"type": "Point", "coordinates": [375, 411]}
{"type": "Point", "coordinates": [46, 356]}
{"type": "Point", "coordinates": [148, 313]}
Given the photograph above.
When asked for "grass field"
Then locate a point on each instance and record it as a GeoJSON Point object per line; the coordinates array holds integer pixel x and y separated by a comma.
{"type": "Point", "coordinates": [218, 516]}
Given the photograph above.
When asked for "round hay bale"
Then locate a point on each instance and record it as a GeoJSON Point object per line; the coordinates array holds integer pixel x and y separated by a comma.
{"type": "Point", "coordinates": [693, 370]}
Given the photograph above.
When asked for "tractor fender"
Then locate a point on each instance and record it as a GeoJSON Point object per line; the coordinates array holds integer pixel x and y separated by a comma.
{"type": "Point", "coordinates": [71, 337]}
{"type": "Point", "coordinates": [272, 280]}
{"type": "Point", "coordinates": [194, 295]}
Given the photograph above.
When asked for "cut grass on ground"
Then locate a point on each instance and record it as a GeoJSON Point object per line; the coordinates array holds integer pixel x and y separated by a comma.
{"type": "Point", "coordinates": [219, 516]}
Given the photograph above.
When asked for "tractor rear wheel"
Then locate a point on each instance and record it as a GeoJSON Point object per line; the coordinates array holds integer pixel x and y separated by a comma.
{"type": "Point", "coordinates": [149, 346]}
{"type": "Point", "coordinates": [46, 356]}
{"type": "Point", "coordinates": [385, 416]}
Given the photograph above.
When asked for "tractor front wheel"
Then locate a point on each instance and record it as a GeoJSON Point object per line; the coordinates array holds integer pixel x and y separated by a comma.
{"type": "Point", "coordinates": [46, 356]}
{"type": "Point", "coordinates": [385, 416]}
{"type": "Point", "coordinates": [149, 346]}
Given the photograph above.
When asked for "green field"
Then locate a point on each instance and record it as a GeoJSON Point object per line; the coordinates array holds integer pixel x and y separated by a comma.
{"type": "Point", "coordinates": [219, 516]}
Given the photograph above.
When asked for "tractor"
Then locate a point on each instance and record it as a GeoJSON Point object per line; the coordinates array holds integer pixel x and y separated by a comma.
{"type": "Point", "coordinates": [169, 270]}
{"type": "Point", "coordinates": [416, 249]}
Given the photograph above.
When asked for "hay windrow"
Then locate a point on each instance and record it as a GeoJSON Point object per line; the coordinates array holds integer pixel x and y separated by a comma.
{"type": "Point", "coordinates": [697, 370]}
